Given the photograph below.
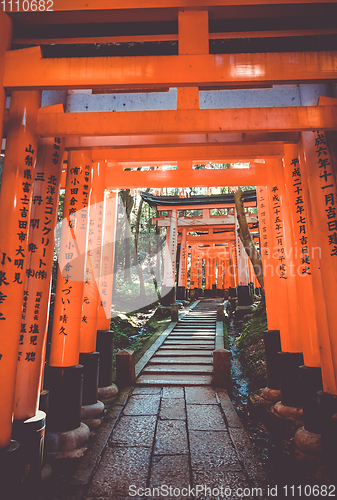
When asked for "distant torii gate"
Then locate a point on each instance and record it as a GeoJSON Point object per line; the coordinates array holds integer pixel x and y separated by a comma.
{"type": "Point", "coordinates": [214, 227]}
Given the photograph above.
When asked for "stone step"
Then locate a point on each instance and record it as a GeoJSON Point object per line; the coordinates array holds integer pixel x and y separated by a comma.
{"type": "Point", "coordinates": [181, 369]}
{"type": "Point", "coordinates": [191, 337]}
{"type": "Point", "coordinates": [158, 360]}
{"type": "Point", "coordinates": [173, 379]}
{"type": "Point", "coordinates": [182, 343]}
{"type": "Point", "coordinates": [197, 321]}
{"type": "Point", "coordinates": [191, 340]}
{"type": "Point", "coordinates": [193, 329]}
{"type": "Point", "coordinates": [179, 346]}
{"type": "Point", "coordinates": [184, 352]}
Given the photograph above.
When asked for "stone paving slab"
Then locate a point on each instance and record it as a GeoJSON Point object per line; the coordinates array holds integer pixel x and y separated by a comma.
{"type": "Point", "coordinates": [173, 379]}
{"type": "Point", "coordinates": [147, 390]}
{"type": "Point", "coordinates": [168, 449]}
{"type": "Point", "coordinates": [134, 431]}
{"type": "Point", "coordinates": [173, 392]}
{"type": "Point", "coordinates": [119, 468]}
{"type": "Point", "coordinates": [205, 418]}
{"type": "Point", "coordinates": [171, 438]}
{"type": "Point", "coordinates": [171, 471]}
{"type": "Point", "coordinates": [142, 404]}
{"type": "Point", "coordinates": [213, 450]}
{"type": "Point", "coordinates": [200, 395]}
{"type": "Point", "coordinates": [172, 409]}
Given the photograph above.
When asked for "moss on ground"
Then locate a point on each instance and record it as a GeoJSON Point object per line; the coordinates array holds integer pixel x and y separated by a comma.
{"type": "Point", "coordinates": [251, 347]}
{"type": "Point", "coordinates": [138, 330]}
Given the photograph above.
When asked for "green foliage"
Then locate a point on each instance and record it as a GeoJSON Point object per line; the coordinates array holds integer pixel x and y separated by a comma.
{"type": "Point", "coordinates": [251, 347]}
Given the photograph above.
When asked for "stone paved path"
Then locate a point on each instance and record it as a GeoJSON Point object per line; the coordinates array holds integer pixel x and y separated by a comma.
{"type": "Point", "coordinates": [174, 437]}
{"type": "Point", "coordinates": [186, 356]}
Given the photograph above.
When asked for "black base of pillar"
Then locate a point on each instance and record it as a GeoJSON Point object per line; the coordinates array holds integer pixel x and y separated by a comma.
{"type": "Point", "coordinates": [226, 294]}
{"type": "Point", "coordinates": [90, 362]}
{"type": "Point", "coordinates": [272, 343]}
{"type": "Point", "coordinates": [104, 345]}
{"type": "Point", "coordinates": [181, 293]}
{"type": "Point", "coordinates": [232, 292]}
{"type": "Point", "coordinates": [244, 295]}
{"type": "Point", "coordinates": [9, 477]}
{"type": "Point", "coordinates": [207, 292]}
{"type": "Point", "coordinates": [168, 295]}
{"type": "Point", "coordinates": [65, 397]}
{"type": "Point", "coordinates": [289, 363]}
{"type": "Point", "coordinates": [193, 294]}
{"type": "Point", "coordinates": [214, 291]}
{"type": "Point", "coordinates": [328, 411]}
{"type": "Point", "coordinates": [311, 383]}
{"type": "Point", "coordinates": [30, 433]}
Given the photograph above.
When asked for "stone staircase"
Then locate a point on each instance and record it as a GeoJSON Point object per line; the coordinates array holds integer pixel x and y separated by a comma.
{"type": "Point", "coordinates": [186, 355]}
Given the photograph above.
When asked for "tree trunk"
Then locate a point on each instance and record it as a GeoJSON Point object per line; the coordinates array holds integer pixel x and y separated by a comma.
{"type": "Point", "coordinates": [128, 204]}
{"type": "Point", "coordinates": [138, 267]}
{"type": "Point", "coordinates": [247, 239]}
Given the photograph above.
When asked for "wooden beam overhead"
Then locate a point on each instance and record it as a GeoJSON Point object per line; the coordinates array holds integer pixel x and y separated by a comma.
{"type": "Point", "coordinates": [87, 5]}
{"type": "Point", "coordinates": [197, 152]}
{"type": "Point", "coordinates": [278, 119]}
{"type": "Point", "coordinates": [184, 178]}
{"type": "Point", "coordinates": [25, 69]}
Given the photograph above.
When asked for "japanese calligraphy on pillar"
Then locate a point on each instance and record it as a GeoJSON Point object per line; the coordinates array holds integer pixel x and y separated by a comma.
{"type": "Point", "coordinates": [170, 279]}
{"type": "Point", "coordinates": [279, 232]}
{"type": "Point", "coordinates": [69, 288]}
{"type": "Point", "coordinates": [263, 222]}
{"type": "Point", "coordinates": [40, 249]}
{"type": "Point", "coordinates": [13, 265]}
{"type": "Point", "coordinates": [302, 235]}
{"type": "Point", "coordinates": [182, 267]}
{"type": "Point", "coordinates": [328, 187]}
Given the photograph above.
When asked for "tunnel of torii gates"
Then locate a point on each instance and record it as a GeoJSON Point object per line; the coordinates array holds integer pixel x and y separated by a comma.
{"type": "Point", "coordinates": [285, 134]}
{"type": "Point", "coordinates": [209, 246]}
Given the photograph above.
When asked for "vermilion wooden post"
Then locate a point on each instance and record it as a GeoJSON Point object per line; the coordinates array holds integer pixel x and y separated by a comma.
{"type": "Point", "coordinates": [35, 310]}
{"type": "Point", "coordinates": [107, 262]}
{"type": "Point", "coordinates": [181, 290]}
{"type": "Point", "coordinates": [320, 197]}
{"type": "Point", "coordinates": [93, 260]}
{"type": "Point", "coordinates": [105, 336]}
{"type": "Point", "coordinates": [207, 275]}
{"type": "Point", "coordinates": [5, 44]}
{"type": "Point", "coordinates": [199, 284]}
{"type": "Point", "coordinates": [221, 276]}
{"type": "Point", "coordinates": [268, 262]}
{"type": "Point", "coordinates": [69, 289]}
{"type": "Point", "coordinates": [89, 357]}
{"type": "Point", "coordinates": [193, 269]}
{"type": "Point", "coordinates": [234, 267]}
{"type": "Point", "coordinates": [302, 256]}
{"type": "Point", "coordinates": [283, 248]}
{"type": "Point", "coordinates": [15, 207]}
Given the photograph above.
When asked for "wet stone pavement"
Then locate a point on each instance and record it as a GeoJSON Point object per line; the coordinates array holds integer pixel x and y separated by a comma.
{"type": "Point", "coordinates": [178, 439]}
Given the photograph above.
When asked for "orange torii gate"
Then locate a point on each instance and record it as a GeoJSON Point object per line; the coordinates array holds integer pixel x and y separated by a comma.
{"type": "Point", "coordinates": [212, 225]}
{"type": "Point", "coordinates": [296, 184]}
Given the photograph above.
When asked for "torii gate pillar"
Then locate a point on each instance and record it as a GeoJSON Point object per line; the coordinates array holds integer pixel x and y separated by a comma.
{"type": "Point", "coordinates": [168, 289]}
{"type": "Point", "coordinates": [181, 290]}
